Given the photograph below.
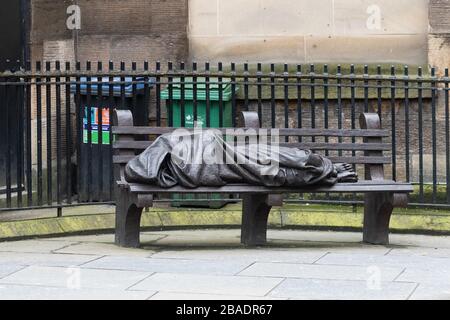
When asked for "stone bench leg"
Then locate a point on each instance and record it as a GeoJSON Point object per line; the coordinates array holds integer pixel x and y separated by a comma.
{"type": "Point", "coordinates": [128, 220]}
{"type": "Point", "coordinates": [255, 213]}
{"type": "Point", "coordinates": [377, 214]}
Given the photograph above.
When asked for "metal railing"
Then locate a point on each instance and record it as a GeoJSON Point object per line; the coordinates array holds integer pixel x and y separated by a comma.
{"type": "Point", "coordinates": [55, 144]}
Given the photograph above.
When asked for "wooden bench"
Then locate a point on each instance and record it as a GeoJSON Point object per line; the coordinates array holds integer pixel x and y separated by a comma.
{"type": "Point", "coordinates": [366, 147]}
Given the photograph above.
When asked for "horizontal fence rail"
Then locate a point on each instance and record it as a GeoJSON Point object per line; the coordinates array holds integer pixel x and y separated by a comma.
{"type": "Point", "coordinates": [56, 139]}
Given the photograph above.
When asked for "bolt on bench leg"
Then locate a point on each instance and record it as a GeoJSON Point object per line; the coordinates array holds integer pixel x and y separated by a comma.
{"type": "Point", "coordinates": [377, 214]}
{"type": "Point", "coordinates": [255, 213]}
{"type": "Point", "coordinates": [128, 221]}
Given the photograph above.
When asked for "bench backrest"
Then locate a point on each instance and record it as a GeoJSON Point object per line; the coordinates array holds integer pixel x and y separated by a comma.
{"type": "Point", "coordinates": [353, 146]}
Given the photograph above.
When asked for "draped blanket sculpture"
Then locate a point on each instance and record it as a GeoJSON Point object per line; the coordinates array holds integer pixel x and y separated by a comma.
{"type": "Point", "coordinates": [208, 158]}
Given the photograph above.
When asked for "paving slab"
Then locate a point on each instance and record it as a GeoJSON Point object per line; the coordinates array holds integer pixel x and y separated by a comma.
{"type": "Point", "coordinates": [431, 292]}
{"type": "Point", "coordinates": [323, 236]}
{"type": "Point", "coordinates": [105, 238]}
{"type": "Point", "coordinates": [169, 265]}
{"type": "Point", "coordinates": [8, 269]}
{"type": "Point", "coordinates": [287, 239]}
{"type": "Point", "coordinates": [75, 278]}
{"type": "Point", "coordinates": [302, 236]}
{"type": "Point", "coordinates": [405, 261]}
{"type": "Point", "coordinates": [420, 251]}
{"type": "Point", "coordinates": [44, 259]}
{"type": "Point", "coordinates": [326, 246]}
{"type": "Point", "coordinates": [323, 240]}
{"type": "Point", "coordinates": [291, 270]}
{"type": "Point", "coordinates": [313, 289]}
{"type": "Point", "coordinates": [199, 233]}
{"type": "Point", "coordinates": [182, 296]}
{"type": "Point", "coordinates": [224, 285]}
{"type": "Point", "coordinates": [300, 255]}
{"type": "Point", "coordinates": [428, 275]}
{"type": "Point", "coordinates": [103, 249]}
{"type": "Point", "coordinates": [34, 246]}
{"type": "Point", "coordinates": [22, 292]}
{"type": "Point", "coordinates": [198, 238]}
{"type": "Point", "coordinates": [433, 241]}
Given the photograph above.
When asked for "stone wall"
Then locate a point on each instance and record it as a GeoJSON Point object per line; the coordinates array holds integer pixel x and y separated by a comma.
{"type": "Point", "coordinates": [439, 35]}
{"type": "Point", "coordinates": [359, 31]}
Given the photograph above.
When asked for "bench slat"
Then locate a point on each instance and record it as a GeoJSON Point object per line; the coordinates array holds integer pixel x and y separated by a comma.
{"type": "Point", "coordinates": [282, 132]}
{"type": "Point", "coordinates": [351, 160]}
{"type": "Point", "coordinates": [141, 145]}
{"type": "Point", "coordinates": [339, 146]}
{"type": "Point", "coordinates": [359, 187]}
{"type": "Point", "coordinates": [360, 160]}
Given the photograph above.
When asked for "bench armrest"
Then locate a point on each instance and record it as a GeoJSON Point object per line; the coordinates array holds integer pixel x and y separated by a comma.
{"type": "Point", "coordinates": [372, 121]}
{"type": "Point", "coordinates": [122, 118]}
{"type": "Point", "coordinates": [251, 119]}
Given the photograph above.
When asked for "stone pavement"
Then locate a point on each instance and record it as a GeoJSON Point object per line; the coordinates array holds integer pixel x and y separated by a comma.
{"type": "Point", "coordinates": [211, 264]}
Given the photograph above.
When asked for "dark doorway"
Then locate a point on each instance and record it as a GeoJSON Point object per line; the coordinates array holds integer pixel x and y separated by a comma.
{"type": "Point", "coordinates": [11, 32]}
{"type": "Point", "coordinates": [12, 55]}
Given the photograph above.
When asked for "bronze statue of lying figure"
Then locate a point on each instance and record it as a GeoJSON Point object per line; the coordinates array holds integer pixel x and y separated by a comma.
{"type": "Point", "coordinates": [207, 158]}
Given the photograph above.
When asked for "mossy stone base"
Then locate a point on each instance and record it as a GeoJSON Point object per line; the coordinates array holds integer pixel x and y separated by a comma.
{"type": "Point", "coordinates": [290, 216]}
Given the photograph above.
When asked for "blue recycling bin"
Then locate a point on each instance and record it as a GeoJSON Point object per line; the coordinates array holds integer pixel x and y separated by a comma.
{"type": "Point", "coordinates": [97, 186]}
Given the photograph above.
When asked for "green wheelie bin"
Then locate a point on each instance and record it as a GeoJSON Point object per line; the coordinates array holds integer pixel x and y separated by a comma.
{"type": "Point", "coordinates": [175, 113]}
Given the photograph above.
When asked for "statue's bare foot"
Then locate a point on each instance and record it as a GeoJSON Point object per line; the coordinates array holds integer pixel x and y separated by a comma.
{"type": "Point", "coordinates": [346, 173]}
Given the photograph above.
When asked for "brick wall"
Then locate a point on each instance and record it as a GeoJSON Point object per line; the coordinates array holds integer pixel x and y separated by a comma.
{"type": "Point", "coordinates": [132, 30]}
{"type": "Point", "coordinates": [116, 30]}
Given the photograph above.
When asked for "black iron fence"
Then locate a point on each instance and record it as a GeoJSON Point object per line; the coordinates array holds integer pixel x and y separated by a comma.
{"type": "Point", "coordinates": [56, 144]}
